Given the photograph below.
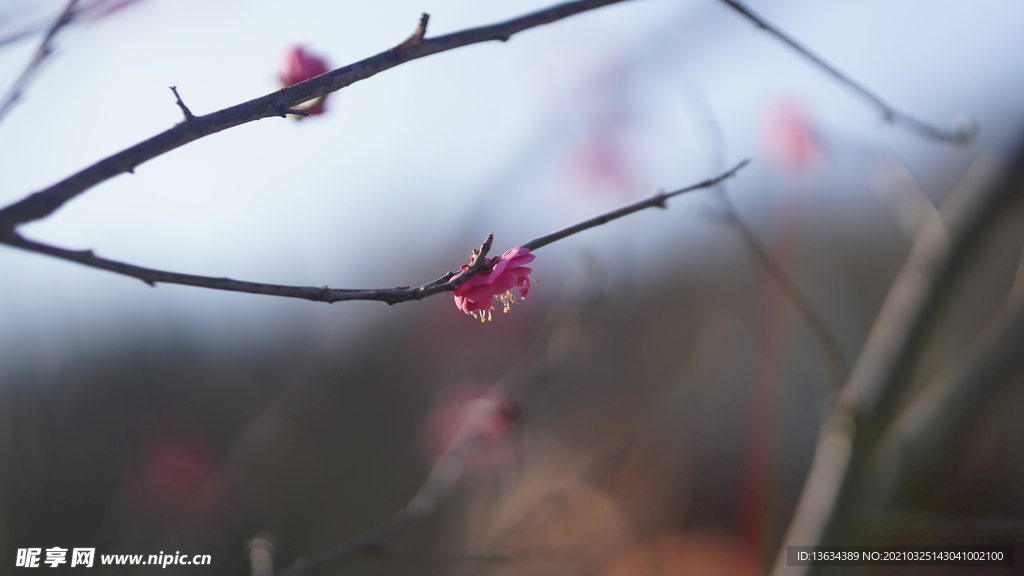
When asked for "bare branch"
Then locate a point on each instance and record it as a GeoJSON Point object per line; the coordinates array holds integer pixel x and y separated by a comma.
{"type": "Point", "coordinates": [151, 276]}
{"type": "Point", "coordinates": [916, 439]}
{"type": "Point", "coordinates": [444, 476]}
{"type": "Point", "coordinates": [42, 54]}
{"type": "Point", "coordinates": [91, 11]}
{"type": "Point", "coordinates": [957, 135]}
{"type": "Point", "coordinates": [45, 202]}
{"type": "Point", "coordinates": [656, 201]}
{"type": "Point", "coordinates": [13, 37]}
{"type": "Point", "coordinates": [827, 340]}
{"type": "Point", "coordinates": [445, 283]}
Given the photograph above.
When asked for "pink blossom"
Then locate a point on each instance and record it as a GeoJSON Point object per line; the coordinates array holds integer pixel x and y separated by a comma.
{"type": "Point", "coordinates": [496, 280]}
{"type": "Point", "coordinates": [301, 65]}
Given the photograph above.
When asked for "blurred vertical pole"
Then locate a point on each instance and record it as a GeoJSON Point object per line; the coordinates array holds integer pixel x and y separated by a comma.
{"type": "Point", "coordinates": [261, 555]}
{"type": "Point", "coordinates": [766, 377]}
{"type": "Point", "coordinates": [788, 141]}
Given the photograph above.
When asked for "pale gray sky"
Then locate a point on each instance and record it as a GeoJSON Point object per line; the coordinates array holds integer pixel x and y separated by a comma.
{"type": "Point", "coordinates": [480, 139]}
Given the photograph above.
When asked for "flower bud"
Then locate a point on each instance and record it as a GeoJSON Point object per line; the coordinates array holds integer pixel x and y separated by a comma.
{"type": "Point", "coordinates": [301, 65]}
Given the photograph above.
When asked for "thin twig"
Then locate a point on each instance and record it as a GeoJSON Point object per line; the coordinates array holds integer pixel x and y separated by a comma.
{"type": "Point", "coordinates": [445, 283]}
{"type": "Point", "coordinates": [45, 202]}
{"type": "Point", "coordinates": [324, 294]}
{"type": "Point", "coordinates": [656, 201]}
{"type": "Point", "coordinates": [961, 135]}
{"type": "Point", "coordinates": [88, 13]}
{"type": "Point", "coordinates": [439, 484]}
{"type": "Point", "coordinates": [827, 340]}
{"type": "Point", "coordinates": [189, 116]}
{"type": "Point", "coordinates": [40, 57]}
{"type": "Point", "coordinates": [417, 36]}
{"type": "Point", "coordinates": [25, 32]}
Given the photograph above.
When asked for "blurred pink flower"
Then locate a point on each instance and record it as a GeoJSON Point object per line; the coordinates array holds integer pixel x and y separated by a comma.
{"type": "Point", "coordinates": [496, 280]}
{"type": "Point", "coordinates": [177, 477]}
{"type": "Point", "coordinates": [604, 163]}
{"type": "Point", "coordinates": [478, 423]}
{"type": "Point", "coordinates": [788, 137]}
{"type": "Point", "coordinates": [301, 65]}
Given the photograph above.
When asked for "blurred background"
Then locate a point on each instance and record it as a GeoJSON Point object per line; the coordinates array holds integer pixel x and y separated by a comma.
{"type": "Point", "coordinates": [663, 393]}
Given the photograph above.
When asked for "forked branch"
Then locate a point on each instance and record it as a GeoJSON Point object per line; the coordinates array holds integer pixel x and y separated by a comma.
{"type": "Point", "coordinates": [280, 103]}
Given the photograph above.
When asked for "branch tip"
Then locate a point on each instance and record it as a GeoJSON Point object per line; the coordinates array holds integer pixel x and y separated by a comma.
{"type": "Point", "coordinates": [417, 35]}
{"type": "Point", "coordinates": [189, 116]}
{"type": "Point", "coordinates": [421, 29]}
{"type": "Point", "coordinates": [658, 200]}
{"type": "Point", "coordinates": [889, 114]}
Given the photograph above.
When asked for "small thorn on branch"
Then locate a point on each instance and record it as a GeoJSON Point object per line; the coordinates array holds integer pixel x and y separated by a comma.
{"type": "Point", "coordinates": [189, 116]}
{"type": "Point", "coordinates": [417, 36]}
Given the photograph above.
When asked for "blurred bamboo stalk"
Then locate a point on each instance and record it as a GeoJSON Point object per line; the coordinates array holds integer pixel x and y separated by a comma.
{"type": "Point", "coordinates": [930, 422]}
{"type": "Point", "coordinates": [831, 506]}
